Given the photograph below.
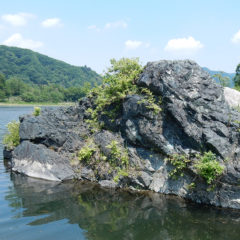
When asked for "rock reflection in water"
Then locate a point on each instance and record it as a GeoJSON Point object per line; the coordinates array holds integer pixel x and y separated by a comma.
{"type": "Point", "coordinates": [110, 214]}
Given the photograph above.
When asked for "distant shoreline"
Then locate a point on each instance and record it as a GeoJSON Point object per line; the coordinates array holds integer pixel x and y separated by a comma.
{"type": "Point", "coordinates": [6, 104]}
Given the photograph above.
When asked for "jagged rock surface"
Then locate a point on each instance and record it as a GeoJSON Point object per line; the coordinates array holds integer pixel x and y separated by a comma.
{"type": "Point", "coordinates": [195, 117]}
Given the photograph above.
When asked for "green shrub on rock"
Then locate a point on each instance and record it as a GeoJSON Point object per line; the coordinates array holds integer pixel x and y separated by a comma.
{"type": "Point", "coordinates": [118, 156]}
{"type": "Point", "coordinates": [208, 167]}
{"type": "Point", "coordinates": [120, 173]}
{"type": "Point", "coordinates": [118, 82]}
{"type": "Point", "coordinates": [37, 111]}
{"type": "Point", "coordinates": [180, 163]}
{"type": "Point", "coordinates": [87, 151]}
{"type": "Point", "coordinates": [12, 139]}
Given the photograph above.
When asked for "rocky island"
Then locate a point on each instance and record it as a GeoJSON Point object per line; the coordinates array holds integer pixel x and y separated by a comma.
{"type": "Point", "coordinates": [167, 128]}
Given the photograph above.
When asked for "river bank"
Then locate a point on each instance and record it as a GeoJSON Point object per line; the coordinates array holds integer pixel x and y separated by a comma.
{"type": "Point", "coordinates": [24, 104]}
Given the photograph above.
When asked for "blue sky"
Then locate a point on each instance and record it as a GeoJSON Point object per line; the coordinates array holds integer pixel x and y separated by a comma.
{"type": "Point", "coordinates": [92, 32]}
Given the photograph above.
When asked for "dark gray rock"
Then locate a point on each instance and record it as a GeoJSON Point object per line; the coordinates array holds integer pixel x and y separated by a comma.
{"type": "Point", "coordinates": [104, 138]}
{"type": "Point", "coordinates": [54, 128]}
{"type": "Point", "coordinates": [87, 174]}
{"type": "Point", "coordinates": [145, 178]}
{"type": "Point", "coordinates": [36, 160]}
{"type": "Point", "coordinates": [7, 154]}
{"type": "Point", "coordinates": [196, 115]}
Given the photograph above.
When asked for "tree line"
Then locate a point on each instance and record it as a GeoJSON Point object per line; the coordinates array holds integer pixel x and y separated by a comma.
{"type": "Point", "coordinates": [16, 90]}
{"type": "Point", "coordinates": [237, 78]}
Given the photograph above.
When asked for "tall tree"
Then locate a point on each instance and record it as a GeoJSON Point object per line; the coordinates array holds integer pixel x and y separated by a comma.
{"type": "Point", "coordinates": [2, 87]}
{"type": "Point", "coordinates": [224, 81]}
{"type": "Point", "coordinates": [236, 79]}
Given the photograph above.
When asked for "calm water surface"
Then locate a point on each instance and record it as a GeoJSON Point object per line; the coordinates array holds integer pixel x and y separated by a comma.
{"type": "Point", "coordinates": [36, 209]}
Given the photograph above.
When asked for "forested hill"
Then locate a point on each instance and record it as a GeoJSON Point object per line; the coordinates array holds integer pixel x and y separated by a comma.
{"type": "Point", "coordinates": [224, 74]}
{"type": "Point", "coordinates": [35, 68]}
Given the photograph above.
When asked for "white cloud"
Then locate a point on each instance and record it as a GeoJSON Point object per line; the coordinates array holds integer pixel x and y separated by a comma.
{"type": "Point", "coordinates": [17, 40]}
{"type": "Point", "coordinates": [94, 27]}
{"type": "Point", "coordinates": [236, 37]}
{"type": "Point", "coordinates": [183, 44]}
{"type": "Point", "coordinates": [109, 25]}
{"type": "Point", "coordinates": [1, 28]}
{"type": "Point", "coordinates": [51, 22]}
{"type": "Point", "coordinates": [147, 45]}
{"type": "Point", "coordinates": [19, 19]}
{"type": "Point", "coordinates": [117, 24]}
{"type": "Point", "coordinates": [133, 44]}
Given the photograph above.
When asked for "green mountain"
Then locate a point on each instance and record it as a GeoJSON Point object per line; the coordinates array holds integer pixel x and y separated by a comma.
{"type": "Point", "coordinates": [230, 75]}
{"type": "Point", "coordinates": [35, 68]}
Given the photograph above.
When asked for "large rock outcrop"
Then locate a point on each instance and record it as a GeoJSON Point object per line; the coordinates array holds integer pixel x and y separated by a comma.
{"type": "Point", "coordinates": [195, 118]}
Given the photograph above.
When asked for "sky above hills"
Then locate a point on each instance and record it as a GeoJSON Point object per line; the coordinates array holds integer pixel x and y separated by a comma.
{"type": "Point", "coordinates": [92, 32]}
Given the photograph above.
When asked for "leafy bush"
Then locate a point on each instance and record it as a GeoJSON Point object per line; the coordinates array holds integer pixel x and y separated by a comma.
{"type": "Point", "coordinates": [12, 139]}
{"type": "Point", "coordinates": [191, 186]}
{"type": "Point", "coordinates": [86, 153]}
{"type": "Point", "coordinates": [121, 173]}
{"type": "Point", "coordinates": [150, 101]}
{"type": "Point", "coordinates": [118, 156]}
{"type": "Point", "coordinates": [208, 167]}
{"type": "Point", "coordinates": [180, 163]}
{"type": "Point", "coordinates": [37, 111]}
{"type": "Point", "coordinates": [118, 82]}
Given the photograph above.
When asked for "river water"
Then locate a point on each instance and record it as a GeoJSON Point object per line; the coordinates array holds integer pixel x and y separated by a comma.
{"type": "Point", "coordinates": [36, 209]}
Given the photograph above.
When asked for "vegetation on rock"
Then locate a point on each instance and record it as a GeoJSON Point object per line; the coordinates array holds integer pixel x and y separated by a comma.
{"type": "Point", "coordinates": [120, 173]}
{"type": "Point", "coordinates": [12, 139]}
{"type": "Point", "coordinates": [118, 159]}
{"type": "Point", "coordinates": [87, 151]}
{"type": "Point", "coordinates": [37, 111]}
{"type": "Point", "coordinates": [208, 167]}
{"type": "Point", "coordinates": [118, 156]}
{"type": "Point", "coordinates": [118, 82]}
{"type": "Point", "coordinates": [180, 163]}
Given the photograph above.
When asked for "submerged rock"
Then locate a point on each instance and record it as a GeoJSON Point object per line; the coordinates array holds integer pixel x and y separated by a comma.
{"type": "Point", "coordinates": [195, 118]}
